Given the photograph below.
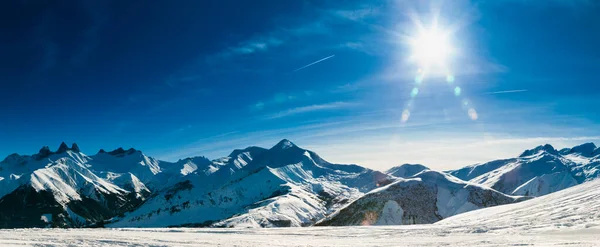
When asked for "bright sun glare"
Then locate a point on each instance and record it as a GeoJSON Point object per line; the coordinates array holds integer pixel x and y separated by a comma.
{"type": "Point", "coordinates": [431, 48]}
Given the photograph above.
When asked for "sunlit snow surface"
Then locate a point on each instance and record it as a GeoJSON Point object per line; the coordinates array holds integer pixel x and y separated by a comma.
{"type": "Point", "coordinates": [569, 217]}
{"type": "Point", "coordinates": [423, 235]}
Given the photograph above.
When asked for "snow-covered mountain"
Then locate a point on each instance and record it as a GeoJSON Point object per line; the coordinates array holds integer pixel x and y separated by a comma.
{"type": "Point", "coordinates": [573, 208]}
{"type": "Point", "coordinates": [426, 197]}
{"type": "Point", "coordinates": [58, 189]}
{"type": "Point", "coordinates": [537, 171]}
{"type": "Point", "coordinates": [255, 187]}
{"type": "Point", "coordinates": [67, 188]}
{"type": "Point", "coordinates": [565, 218]}
{"type": "Point", "coordinates": [406, 170]}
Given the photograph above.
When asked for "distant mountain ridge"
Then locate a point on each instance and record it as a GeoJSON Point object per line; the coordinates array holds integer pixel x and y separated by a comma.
{"type": "Point", "coordinates": [538, 171]}
{"type": "Point", "coordinates": [254, 187]}
{"type": "Point", "coordinates": [66, 188]}
{"type": "Point", "coordinates": [284, 185]}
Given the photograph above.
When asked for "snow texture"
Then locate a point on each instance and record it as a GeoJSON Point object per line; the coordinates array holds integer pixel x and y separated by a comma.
{"type": "Point", "coordinates": [566, 218]}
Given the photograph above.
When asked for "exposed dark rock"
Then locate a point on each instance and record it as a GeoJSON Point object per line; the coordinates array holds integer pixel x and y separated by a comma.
{"type": "Point", "coordinates": [63, 148]}
{"type": "Point", "coordinates": [24, 208]}
{"type": "Point", "coordinates": [181, 186]}
{"type": "Point", "coordinates": [586, 149]}
{"type": "Point", "coordinates": [44, 152]}
{"type": "Point", "coordinates": [118, 151]}
{"type": "Point", "coordinates": [75, 148]}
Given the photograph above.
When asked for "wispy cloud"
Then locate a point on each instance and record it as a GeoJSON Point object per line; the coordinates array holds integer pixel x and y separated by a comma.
{"type": "Point", "coordinates": [482, 66]}
{"type": "Point", "coordinates": [310, 108]}
{"type": "Point", "coordinates": [357, 14]}
{"type": "Point", "coordinates": [508, 91]}
{"type": "Point", "coordinates": [369, 45]}
{"type": "Point", "coordinates": [253, 46]}
{"type": "Point", "coordinates": [281, 98]}
{"type": "Point", "coordinates": [313, 63]}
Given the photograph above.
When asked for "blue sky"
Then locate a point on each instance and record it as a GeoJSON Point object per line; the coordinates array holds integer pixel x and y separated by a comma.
{"type": "Point", "coordinates": [185, 78]}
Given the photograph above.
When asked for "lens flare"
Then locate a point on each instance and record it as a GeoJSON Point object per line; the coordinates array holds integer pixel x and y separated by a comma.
{"type": "Point", "coordinates": [473, 114]}
{"type": "Point", "coordinates": [405, 115]}
{"type": "Point", "coordinates": [419, 79]}
{"type": "Point", "coordinates": [433, 51]}
{"type": "Point", "coordinates": [414, 92]}
{"type": "Point", "coordinates": [457, 91]}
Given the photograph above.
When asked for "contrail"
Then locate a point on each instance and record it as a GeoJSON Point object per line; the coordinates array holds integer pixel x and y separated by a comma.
{"type": "Point", "coordinates": [508, 91]}
{"type": "Point", "coordinates": [313, 63]}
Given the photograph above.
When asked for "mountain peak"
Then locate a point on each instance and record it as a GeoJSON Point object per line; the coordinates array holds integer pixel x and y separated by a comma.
{"type": "Point", "coordinates": [284, 144]}
{"type": "Point", "coordinates": [406, 170]}
{"type": "Point", "coordinates": [63, 148]}
{"type": "Point", "coordinates": [75, 148]}
{"type": "Point", "coordinates": [253, 150]}
{"type": "Point", "coordinates": [542, 148]}
{"type": "Point", "coordinates": [45, 151]}
{"type": "Point", "coordinates": [119, 152]}
{"type": "Point", "coordinates": [586, 149]}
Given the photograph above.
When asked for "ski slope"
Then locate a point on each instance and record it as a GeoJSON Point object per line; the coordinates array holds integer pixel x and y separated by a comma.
{"type": "Point", "coordinates": [570, 217]}
{"type": "Point", "coordinates": [573, 208]}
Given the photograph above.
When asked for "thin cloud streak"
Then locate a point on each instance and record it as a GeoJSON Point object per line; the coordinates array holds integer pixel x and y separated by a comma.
{"type": "Point", "coordinates": [313, 63]}
{"type": "Point", "coordinates": [508, 91]}
{"type": "Point", "coordinates": [310, 108]}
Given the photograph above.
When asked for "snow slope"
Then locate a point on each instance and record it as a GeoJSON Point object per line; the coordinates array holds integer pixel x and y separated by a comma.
{"type": "Point", "coordinates": [538, 171]}
{"type": "Point", "coordinates": [413, 235]}
{"type": "Point", "coordinates": [425, 198]}
{"type": "Point", "coordinates": [566, 218]}
{"type": "Point", "coordinates": [577, 207]}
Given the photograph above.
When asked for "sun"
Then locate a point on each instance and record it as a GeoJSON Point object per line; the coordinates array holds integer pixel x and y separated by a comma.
{"type": "Point", "coordinates": [431, 48]}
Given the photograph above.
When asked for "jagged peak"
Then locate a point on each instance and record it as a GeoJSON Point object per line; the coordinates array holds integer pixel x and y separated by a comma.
{"type": "Point", "coordinates": [119, 152]}
{"type": "Point", "coordinates": [75, 148]}
{"type": "Point", "coordinates": [542, 148]}
{"type": "Point", "coordinates": [284, 144]}
{"type": "Point", "coordinates": [195, 159]}
{"type": "Point", "coordinates": [45, 150]}
{"type": "Point", "coordinates": [62, 148]}
{"type": "Point", "coordinates": [586, 149]}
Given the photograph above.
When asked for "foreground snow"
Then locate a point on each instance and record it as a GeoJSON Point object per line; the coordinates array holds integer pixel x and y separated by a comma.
{"type": "Point", "coordinates": [415, 235]}
{"type": "Point", "coordinates": [568, 217]}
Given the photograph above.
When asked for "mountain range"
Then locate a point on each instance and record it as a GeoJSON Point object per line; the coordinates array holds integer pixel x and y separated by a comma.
{"type": "Point", "coordinates": [284, 186]}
